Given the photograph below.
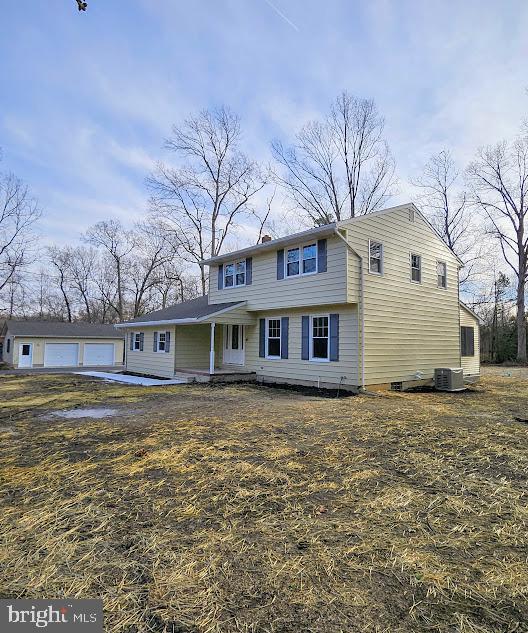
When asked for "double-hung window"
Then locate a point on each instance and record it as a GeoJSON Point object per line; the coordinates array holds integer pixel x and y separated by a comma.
{"type": "Point", "coordinates": [441, 274]}
{"type": "Point", "coordinates": [467, 341]}
{"type": "Point", "coordinates": [273, 338]}
{"type": "Point", "coordinates": [416, 268]}
{"type": "Point", "coordinates": [137, 342]}
{"type": "Point", "coordinates": [162, 341]}
{"type": "Point", "coordinates": [375, 257]}
{"type": "Point", "coordinates": [235, 274]}
{"type": "Point", "coordinates": [301, 260]}
{"type": "Point", "coordinates": [319, 338]}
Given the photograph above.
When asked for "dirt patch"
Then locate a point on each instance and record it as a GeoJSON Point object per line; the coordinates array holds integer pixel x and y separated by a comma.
{"type": "Point", "coordinates": [211, 509]}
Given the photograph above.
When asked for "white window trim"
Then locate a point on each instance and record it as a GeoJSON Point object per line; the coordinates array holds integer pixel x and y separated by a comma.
{"type": "Point", "coordinates": [310, 355]}
{"type": "Point", "coordinates": [137, 339]}
{"type": "Point", "coordinates": [279, 319]}
{"type": "Point", "coordinates": [234, 264]}
{"type": "Point", "coordinates": [441, 261]}
{"type": "Point", "coordinates": [413, 281]}
{"type": "Point", "coordinates": [158, 350]}
{"type": "Point", "coordinates": [301, 273]}
{"type": "Point", "coordinates": [382, 266]}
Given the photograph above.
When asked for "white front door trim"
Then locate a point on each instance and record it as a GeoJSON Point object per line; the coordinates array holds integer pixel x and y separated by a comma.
{"type": "Point", "coordinates": [234, 345]}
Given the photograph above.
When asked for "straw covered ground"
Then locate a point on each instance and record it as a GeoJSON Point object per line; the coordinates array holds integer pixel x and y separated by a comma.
{"type": "Point", "coordinates": [219, 509]}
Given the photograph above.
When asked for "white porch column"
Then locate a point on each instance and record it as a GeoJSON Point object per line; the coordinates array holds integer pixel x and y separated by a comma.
{"type": "Point", "coordinates": [212, 352]}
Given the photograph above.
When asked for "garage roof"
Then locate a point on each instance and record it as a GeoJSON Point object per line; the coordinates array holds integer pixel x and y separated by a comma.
{"type": "Point", "coordinates": [58, 329]}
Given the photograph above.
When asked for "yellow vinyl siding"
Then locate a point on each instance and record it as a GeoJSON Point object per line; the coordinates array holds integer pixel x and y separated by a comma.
{"type": "Point", "coordinates": [471, 364]}
{"type": "Point", "coordinates": [148, 361]}
{"type": "Point", "coordinates": [267, 292]}
{"type": "Point", "coordinates": [193, 344]}
{"type": "Point", "coordinates": [40, 342]}
{"type": "Point", "coordinates": [294, 369]}
{"type": "Point", "coordinates": [410, 328]}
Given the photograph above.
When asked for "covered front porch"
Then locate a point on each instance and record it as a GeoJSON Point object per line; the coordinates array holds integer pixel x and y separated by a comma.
{"type": "Point", "coordinates": [215, 349]}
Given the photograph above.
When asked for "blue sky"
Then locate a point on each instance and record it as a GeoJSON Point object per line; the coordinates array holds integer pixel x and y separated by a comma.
{"type": "Point", "coordinates": [87, 98]}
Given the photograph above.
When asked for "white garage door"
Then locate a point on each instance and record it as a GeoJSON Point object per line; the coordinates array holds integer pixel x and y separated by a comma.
{"type": "Point", "coordinates": [98, 354]}
{"type": "Point", "coordinates": [61, 355]}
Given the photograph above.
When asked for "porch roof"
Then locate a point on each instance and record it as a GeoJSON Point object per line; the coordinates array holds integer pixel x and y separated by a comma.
{"type": "Point", "coordinates": [194, 311]}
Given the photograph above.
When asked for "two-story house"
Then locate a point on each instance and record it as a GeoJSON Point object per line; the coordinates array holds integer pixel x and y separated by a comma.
{"type": "Point", "coordinates": [373, 300]}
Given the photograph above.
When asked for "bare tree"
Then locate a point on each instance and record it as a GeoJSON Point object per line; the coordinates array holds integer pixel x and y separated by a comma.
{"type": "Point", "coordinates": [151, 255]}
{"type": "Point", "coordinates": [60, 259]}
{"type": "Point", "coordinates": [18, 214]}
{"type": "Point", "coordinates": [499, 179]}
{"type": "Point", "coordinates": [117, 243]}
{"type": "Point", "coordinates": [339, 167]}
{"type": "Point", "coordinates": [83, 265]}
{"type": "Point", "coordinates": [445, 202]}
{"type": "Point", "coordinates": [199, 202]}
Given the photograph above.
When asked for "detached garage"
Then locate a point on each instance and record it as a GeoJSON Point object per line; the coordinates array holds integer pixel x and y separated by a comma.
{"type": "Point", "coordinates": [56, 344]}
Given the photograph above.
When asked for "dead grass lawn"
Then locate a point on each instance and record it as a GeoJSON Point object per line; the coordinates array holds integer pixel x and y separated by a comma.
{"type": "Point", "coordinates": [242, 509]}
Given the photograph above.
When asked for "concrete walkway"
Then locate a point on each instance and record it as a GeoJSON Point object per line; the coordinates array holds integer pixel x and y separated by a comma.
{"type": "Point", "coordinates": [132, 380]}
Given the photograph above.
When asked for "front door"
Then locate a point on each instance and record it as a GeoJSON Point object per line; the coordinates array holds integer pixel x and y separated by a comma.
{"type": "Point", "coordinates": [234, 344]}
{"type": "Point", "coordinates": [25, 355]}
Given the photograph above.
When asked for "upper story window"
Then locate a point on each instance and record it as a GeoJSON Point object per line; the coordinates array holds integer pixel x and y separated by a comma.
{"type": "Point", "coordinates": [235, 274]}
{"type": "Point", "coordinates": [375, 257]}
{"type": "Point", "coordinates": [319, 338]}
{"type": "Point", "coordinates": [301, 260]}
{"type": "Point", "coordinates": [273, 338]}
{"type": "Point", "coordinates": [416, 268]}
{"type": "Point", "coordinates": [441, 274]}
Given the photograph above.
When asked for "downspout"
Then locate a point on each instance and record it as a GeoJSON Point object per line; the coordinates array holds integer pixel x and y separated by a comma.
{"type": "Point", "coordinates": [361, 366]}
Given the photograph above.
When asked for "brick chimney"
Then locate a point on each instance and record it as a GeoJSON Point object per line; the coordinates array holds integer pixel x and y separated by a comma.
{"type": "Point", "coordinates": [266, 238]}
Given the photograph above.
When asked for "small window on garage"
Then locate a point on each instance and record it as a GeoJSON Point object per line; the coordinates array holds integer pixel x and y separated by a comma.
{"type": "Point", "coordinates": [467, 341]}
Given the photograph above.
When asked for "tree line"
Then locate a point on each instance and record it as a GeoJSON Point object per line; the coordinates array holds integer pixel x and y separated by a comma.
{"type": "Point", "coordinates": [203, 201]}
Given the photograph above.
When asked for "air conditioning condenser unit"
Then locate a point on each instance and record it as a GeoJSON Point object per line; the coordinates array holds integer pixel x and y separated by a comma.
{"type": "Point", "coordinates": [449, 379]}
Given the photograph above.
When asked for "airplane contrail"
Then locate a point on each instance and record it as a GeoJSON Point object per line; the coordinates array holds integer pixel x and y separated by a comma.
{"type": "Point", "coordinates": [280, 14]}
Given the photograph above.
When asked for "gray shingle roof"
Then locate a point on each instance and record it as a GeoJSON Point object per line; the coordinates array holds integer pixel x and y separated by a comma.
{"type": "Point", "coordinates": [194, 309]}
{"type": "Point", "coordinates": [60, 329]}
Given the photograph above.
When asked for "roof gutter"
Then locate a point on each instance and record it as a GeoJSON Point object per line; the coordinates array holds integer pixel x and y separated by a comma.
{"type": "Point", "coordinates": [361, 320]}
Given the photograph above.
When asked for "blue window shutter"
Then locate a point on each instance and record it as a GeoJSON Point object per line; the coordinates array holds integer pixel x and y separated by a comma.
{"type": "Point", "coordinates": [167, 342]}
{"type": "Point", "coordinates": [280, 264]}
{"type": "Point", "coordinates": [141, 341]}
{"type": "Point", "coordinates": [249, 271]}
{"type": "Point", "coordinates": [220, 277]}
{"type": "Point", "coordinates": [321, 256]}
{"type": "Point", "coordinates": [131, 342]}
{"type": "Point", "coordinates": [305, 347]}
{"type": "Point", "coordinates": [334, 337]}
{"type": "Point", "coordinates": [285, 321]}
{"type": "Point", "coordinates": [155, 342]}
{"type": "Point", "coordinates": [262, 338]}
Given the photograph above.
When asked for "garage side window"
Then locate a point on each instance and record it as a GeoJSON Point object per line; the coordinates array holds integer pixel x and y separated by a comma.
{"type": "Point", "coordinates": [467, 341]}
